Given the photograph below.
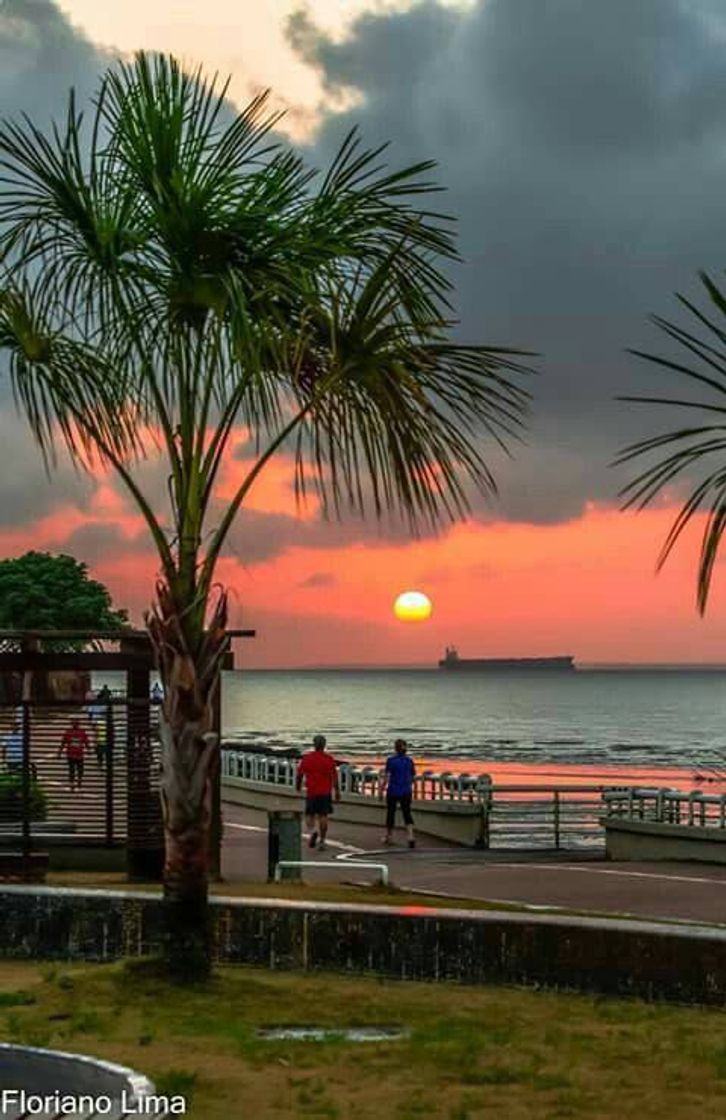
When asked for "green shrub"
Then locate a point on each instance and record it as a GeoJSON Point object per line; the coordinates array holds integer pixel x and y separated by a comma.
{"type": "Point", "coordinates": [11, 799]}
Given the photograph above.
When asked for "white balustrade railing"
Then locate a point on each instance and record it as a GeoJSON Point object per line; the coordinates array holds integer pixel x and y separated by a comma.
{"type": "Point", "coordinates": [514, 816]}
{"type": "Point", "coordinates": [366, 781]}
{"type": "Point", "coordinates": [667, 806]}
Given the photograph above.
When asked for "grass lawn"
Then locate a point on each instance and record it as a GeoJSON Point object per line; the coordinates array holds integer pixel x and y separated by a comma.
{"type": "Point", "coordinates": [473, 1052]}
{"type": "Point", "coordinates": [373, 894]}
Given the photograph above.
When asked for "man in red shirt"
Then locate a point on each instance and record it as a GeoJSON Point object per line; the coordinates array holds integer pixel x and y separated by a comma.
{"type": "Point", "coordinates": [318, 770]}
{"type": "Point", "coordinates": [74, 744]}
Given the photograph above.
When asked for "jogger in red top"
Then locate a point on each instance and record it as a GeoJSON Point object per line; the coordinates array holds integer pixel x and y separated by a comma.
{"type": "Point", "coordinates": [74, 744]}
{"type": "Point", "coordinates": [318, 770]}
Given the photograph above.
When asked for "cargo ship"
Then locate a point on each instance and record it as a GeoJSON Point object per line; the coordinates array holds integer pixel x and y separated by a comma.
{"type": "Point", "coordinates": [452, 662]}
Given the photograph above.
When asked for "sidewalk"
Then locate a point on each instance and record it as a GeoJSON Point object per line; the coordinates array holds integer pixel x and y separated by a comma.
{"type": "Point", "coordinates": [542, 879]}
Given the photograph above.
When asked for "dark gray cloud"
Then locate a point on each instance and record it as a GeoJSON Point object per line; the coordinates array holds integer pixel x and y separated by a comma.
{"type": "Point", "coordinates": [256, 537]}
{"type": "Point", "coordinates": [319, 579]}
{"type": "Point", "coordinates": [41, 56]}
{"type": "Point", "coordinates": [99, 540]}
{"type": "Point", "coordinates": [584, 150]}
{"type": "Point", "coordinates": [26, 492]}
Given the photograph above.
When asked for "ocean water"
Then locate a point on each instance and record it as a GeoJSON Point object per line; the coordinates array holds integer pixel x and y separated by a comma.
{"type": "Point", "coordinates": [661, 725]}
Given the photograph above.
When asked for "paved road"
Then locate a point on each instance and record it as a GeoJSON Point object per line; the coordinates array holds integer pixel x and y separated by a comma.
{"type": "Point", "coordinates": [686, 891]}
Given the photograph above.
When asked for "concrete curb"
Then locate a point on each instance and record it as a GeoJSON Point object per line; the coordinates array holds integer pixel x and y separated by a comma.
{"type": "Point", "coordinates": [32, 1071]}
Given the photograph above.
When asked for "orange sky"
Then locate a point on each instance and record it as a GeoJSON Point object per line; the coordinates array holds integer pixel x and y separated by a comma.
{"type": "Point", "coordinates": [585, 587]}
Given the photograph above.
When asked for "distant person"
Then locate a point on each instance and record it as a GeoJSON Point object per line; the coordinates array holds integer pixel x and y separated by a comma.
{"type": "Point", "coordinates": [74, 745]}
{"type": "Point", "coordinates": [12, 748]}
{"type": "Point", "coordinates": [157, 693]}
{"type": "Point", "coordinates": [398, 790]}
{"type": "Point", "coordinates": [318, 770]}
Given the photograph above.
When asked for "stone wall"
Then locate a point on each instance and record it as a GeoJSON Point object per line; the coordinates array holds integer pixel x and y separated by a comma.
{"type": "Point", "coordinates": [617, 957]}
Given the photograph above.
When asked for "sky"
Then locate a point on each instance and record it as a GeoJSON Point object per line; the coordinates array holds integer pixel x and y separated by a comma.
{"type": "Point", "coordinates": [583, 148]}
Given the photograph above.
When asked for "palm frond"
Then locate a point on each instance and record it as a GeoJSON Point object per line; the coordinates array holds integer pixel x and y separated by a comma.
{"type": "Point", "coordinates": [687, 449]}
{"type": "Point", "coordinates": [62, 385]}
{"type": "Point", "coordinates": [394, 400]}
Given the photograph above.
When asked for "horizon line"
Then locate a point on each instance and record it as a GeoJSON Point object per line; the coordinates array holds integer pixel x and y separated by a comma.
{"type": "Point", "coordinates": [422, 666]}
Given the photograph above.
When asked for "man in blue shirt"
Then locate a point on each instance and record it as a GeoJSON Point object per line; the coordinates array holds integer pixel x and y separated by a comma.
{"type": "Point", "coordinates": [398, 790]}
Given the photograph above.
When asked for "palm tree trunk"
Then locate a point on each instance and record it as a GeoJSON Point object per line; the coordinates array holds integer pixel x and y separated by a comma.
{"type": "Point", "coordinates": [189, 668]}
{"type": "Point", "coordinates": [187, 755]}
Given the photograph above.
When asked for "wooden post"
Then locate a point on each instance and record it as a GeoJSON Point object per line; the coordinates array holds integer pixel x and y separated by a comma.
{"type": "Point", "coordinates": [27, 836]}
{"type": "Point", "coordinates": [145, 837]}
{"type": "Point", "coordinates": [216, 827]}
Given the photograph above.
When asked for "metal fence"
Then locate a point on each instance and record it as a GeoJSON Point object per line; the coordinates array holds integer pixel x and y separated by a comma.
{"type": "Point", "coordinates": [87, 775]}
{"type": "Point", "coordinates": [538, 816]}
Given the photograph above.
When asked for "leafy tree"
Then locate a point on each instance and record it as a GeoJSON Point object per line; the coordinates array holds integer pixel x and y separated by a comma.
{"type": "Point", "coordinates": [171, 272]}
{"type": "Point", "coordinates": [701, 444]}
{"type": "Point", "coordinates": [39, 591]}
{"type": "Point", "coordinates": [11, 799]}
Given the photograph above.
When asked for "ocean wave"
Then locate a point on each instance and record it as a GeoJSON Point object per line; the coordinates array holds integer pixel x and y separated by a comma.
{"type": "Point", "coordinates": [559, 742]}
{"type": "Point", "coordinates": [645, 747]}
{"type": "Point", "coordinates": [457, 751]}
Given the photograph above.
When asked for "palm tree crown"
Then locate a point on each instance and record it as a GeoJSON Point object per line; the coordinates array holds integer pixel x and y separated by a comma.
{"type": "Point", "coordinates": [169, 266]}
{"type": "Point", "coordinates": [679, 452]}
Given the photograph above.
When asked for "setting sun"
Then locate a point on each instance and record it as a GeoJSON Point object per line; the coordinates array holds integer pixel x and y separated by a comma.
{"type": "Point", "coordinates": [412, 606]}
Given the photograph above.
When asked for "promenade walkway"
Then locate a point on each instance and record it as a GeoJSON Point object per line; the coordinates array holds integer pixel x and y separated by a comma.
{"type": "Point", "coordinates": [542, 879]}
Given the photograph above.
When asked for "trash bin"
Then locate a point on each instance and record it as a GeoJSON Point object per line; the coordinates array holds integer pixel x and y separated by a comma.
{"type": "Point", "coordinates": [284, 841]}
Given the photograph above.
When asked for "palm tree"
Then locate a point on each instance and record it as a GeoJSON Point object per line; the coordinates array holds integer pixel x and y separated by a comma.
{"type": "Point", "coordinates": [171, 273]}
{"type": "Point", "coordinates": [680, 451]}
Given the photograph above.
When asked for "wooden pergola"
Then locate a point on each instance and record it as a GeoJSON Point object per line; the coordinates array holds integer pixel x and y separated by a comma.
{"type": "Point", "coordinates": [134, 652]}
{"type": "Point", "coordinates": [134, 656]}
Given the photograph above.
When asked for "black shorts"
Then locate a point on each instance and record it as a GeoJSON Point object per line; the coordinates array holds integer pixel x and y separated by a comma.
{"type": "Point", "coordinates": [75, 769]}
{"type": "Point", "coordinates": [319, 806]}
{"type": "Point", "coordinates": [391, 802]}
